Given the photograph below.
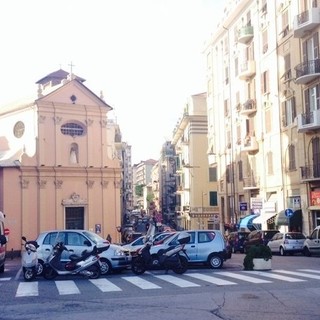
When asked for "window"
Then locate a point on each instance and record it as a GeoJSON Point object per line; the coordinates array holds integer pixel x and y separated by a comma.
{"type": "Point", "coordinates": [18, 129]}
{"type": "Point", "coordinates": [288, 112]}
{"type": "Point", "coordinates": [292, 158]}
{"type": "Point", "coordinates": [311, 99]}
{"type": "Point", "coordinates": [213, 174]}
{"type": "Point", "coordinates": [268, 120]}
{"type": "Point", "coordinates": [284, 24]}
{"type": "Point", "coordinates": [75, 239]}
{"type": "Point", "coordinates": [264, 41]}
{"type": "Point", "coordinates": [240, 170]}
{"type": "Point", "coordinates": [204, 237]}
{"type": "Point", "coordinates": [270, 162]}
{"type": "Point", "coordinates": [213, 198]}
{"type": "Point", "coordinates": [265, 82]}
{"type": "Point", "coordinates": [72, 129]}
{"type": "Point", "coordinates": [287, 67]}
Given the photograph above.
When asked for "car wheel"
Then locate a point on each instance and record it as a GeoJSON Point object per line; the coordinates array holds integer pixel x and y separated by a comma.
{"type": "Point", "coordinates": [215, 261]}
{"type": "Point", "coordinates": [105, 266]}
{"type": "Point", "coordinates": [282, 251]}
{"type": "Point", "coordinates": [306, 252]}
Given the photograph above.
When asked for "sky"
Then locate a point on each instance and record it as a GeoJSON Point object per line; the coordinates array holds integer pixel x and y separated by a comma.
{"type": "Point", "coordinates": [146, 56]}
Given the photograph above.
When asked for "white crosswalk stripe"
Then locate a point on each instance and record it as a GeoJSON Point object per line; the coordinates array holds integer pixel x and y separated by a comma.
{"type": "Point", "coordinates": [5, 279]}
{"type": "Point", "coordinates": [211, 279]}
{"type": "Point", "coordinates": [27, 289]}
{"type": "Point", "coordinates": [275, 276]}
{"type": "Point", "coordinates": [67, 287]}
{"type": "Point", "coordinates": [105, 285]}
{"type": "Point", "coordinates": [141, 283]}
{"type": "Point", "coordinates": [300, 274]}
{"type": "Point", "coordinates": [310, 270]}
{"type": "Point", "coordinates": [177, 281]}
{"type": "Point", "coordinates": [242, 277]}
{"type": "Point", "coordinates": [151, 281]}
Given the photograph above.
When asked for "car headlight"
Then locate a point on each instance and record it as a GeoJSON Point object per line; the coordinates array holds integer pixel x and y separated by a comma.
{"type": "Point", "coordinates": [119, 252]}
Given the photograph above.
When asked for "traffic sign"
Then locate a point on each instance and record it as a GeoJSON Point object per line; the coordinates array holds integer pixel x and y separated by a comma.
{"type": "Point", "coordinates": [288, 212]}
{"type": "Point", "coordinates": [243, 206]}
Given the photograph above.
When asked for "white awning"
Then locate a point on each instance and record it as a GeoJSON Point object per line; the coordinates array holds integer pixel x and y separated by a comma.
{"type": "Point", "coordinates": [263, 218]}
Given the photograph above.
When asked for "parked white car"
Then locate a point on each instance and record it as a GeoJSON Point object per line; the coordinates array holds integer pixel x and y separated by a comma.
{"type": "Point", "coordinates": [115, 258]}
{"type": "Point", "coordinates": [312, 243]}
{"type": "Point", "coordinates": [287, 243]}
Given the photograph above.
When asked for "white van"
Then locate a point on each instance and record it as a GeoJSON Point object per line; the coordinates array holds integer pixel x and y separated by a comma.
{"type": "Point", "coordinates": [312, 243]}
{"type": "Point", "coordinates": [3, 241]}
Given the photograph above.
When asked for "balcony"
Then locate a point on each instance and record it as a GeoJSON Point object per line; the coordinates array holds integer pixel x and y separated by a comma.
{"type": "Point", "coordinates": [247, 70]}
{"type": "Point", "coordinates": [245, 34]}
{"type": "Point", "coordinates": [307, 71]}
{"type": "Point", "coordinates": [305, 22]}
{"type": "Point", "coordinates": [309, 121]}
{"type": "Point", "coordinates": [311, 172]}
{"type": "Point", "coordinates": [250, 144]}
{"type": "Point", "coordinates": [248, 107]}
{"type": "Point", "coordinates": [251, 183]}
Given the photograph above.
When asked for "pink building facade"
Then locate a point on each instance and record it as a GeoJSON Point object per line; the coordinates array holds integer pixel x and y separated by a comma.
{"type": "Point", "coordinates": [58, 168]}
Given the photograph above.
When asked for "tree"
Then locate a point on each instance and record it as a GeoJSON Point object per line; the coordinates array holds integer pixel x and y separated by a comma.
{"type": "Point", "coordinates": [139, 190]}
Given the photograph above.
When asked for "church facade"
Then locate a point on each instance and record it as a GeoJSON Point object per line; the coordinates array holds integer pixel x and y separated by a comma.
{"type": "Point", "coordinates": [58, 163]}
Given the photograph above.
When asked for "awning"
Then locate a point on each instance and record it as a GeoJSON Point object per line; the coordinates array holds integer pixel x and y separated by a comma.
{"type": "Point", "coordinates": [246, 222]}
{"type": "Point", "coordinates": [263, 218]}
{"type": "Point", "coordinates": [294, 221]}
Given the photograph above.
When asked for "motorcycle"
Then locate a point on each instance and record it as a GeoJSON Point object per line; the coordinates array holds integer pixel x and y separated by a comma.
{"type": "Point", "coordinates": [88, 264]}
{"type": "Point", "coordinates": [29, 259]}
{"type": "Point", "coordinates": [174, 257]}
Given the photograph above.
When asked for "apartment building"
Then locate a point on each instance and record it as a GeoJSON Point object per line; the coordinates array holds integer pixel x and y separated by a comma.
{"type": "Point", "coordinates": [142, 183]}
{"type": "Point", "coordinates": [262, 105]}
{"type": "Point", "coordinates": [196, 184]}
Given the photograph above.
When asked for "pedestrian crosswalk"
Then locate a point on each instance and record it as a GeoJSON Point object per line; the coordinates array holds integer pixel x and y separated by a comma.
{"type": "Point", "coordinates": [156, 281]}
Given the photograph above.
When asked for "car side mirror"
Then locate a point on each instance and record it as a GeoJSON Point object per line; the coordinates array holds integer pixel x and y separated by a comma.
{"type": "Point", "coordinates": [3, 239]}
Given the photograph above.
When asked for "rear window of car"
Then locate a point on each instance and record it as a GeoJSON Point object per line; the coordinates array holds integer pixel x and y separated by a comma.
{"type": "Point", "coordinates": [295, 236]}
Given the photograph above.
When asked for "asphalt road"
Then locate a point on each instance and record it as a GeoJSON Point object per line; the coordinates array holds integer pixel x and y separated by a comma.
{"type": "Point", "coordinates": [290, 291]}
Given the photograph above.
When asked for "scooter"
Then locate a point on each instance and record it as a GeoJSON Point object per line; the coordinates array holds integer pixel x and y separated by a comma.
{"type": "Point", "coordinates": [174, 257]}
{"type": "Point", "coordinates": [88, 264]}
{"type": "Point", "coordinates": [29, 259]}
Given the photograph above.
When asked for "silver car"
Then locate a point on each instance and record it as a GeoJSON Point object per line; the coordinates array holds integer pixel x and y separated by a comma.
{"type": "Point", "coordinates": [312, 243]}
{"type": "Point", "coordinates": [205, 246]}
{"type": "Point", "coordinates": [114, 259]}
{"type": "Point", "coordinates": [287, 243]}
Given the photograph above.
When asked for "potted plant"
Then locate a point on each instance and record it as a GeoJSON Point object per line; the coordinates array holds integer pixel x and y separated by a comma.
{"type": "Point", "coordinates": [258, 257]}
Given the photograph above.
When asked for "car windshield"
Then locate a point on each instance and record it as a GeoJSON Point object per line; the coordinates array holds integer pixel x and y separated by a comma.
{"type": "Point", "coordinates": [93, 237]}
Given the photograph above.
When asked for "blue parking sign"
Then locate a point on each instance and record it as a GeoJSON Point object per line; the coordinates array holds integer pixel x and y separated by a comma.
{"type": "Point", "coordinates": [288, 212]}
{"type": "Point", "coordinates": [243, 206]}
